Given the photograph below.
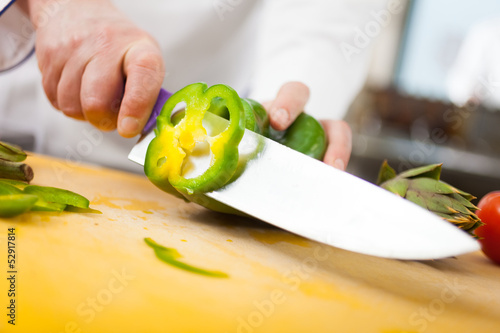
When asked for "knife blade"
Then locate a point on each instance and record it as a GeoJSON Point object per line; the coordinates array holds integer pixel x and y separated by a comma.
{"type": "Point", "coordinates": [299, 194]}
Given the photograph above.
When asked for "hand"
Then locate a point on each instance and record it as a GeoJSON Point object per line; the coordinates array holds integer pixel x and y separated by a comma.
{"type": "Point", "coordinates": [290, 102]}
{"type": "Point", "coordinates": [96, 64]}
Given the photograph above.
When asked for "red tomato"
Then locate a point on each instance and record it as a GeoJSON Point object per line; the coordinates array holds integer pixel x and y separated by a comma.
{"type": "Point", "coordinates": [489, 213]}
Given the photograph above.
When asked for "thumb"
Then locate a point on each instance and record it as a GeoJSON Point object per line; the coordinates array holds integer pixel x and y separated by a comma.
{"type": "Point", "coordinates": [144, 70]}
{"type": "Point", "coordinates": [289, 103]}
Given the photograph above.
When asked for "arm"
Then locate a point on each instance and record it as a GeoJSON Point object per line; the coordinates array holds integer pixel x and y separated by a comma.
{"type": "Point", "coordinates": [96, 64]}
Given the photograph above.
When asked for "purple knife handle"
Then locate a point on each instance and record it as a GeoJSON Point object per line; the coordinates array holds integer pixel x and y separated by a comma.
{"type": "Point", "coordinates": [160, 101]}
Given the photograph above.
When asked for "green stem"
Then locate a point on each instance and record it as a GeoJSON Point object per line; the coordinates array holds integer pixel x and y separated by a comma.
{"type": "Point", "coordinates": [16, 171]}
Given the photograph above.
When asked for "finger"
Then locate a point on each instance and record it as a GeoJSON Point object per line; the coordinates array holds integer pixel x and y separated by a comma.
{"type": "Point", "coordinates": [51, 64]}
{"type": "Point", "coordinates": [68, 89]}
{"type": "Point", "coordinates": [144, 69]}
{"type": "Point", "coordinates": [289, 103]}
{"type": "Point", "coordinates": [267, 105]}
{"type": "Point", "coordinates": [101, 91]}
{"type": "Point", "coordinates": [339, 148]}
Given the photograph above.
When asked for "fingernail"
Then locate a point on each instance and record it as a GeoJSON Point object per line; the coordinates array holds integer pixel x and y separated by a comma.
{"type": "Point", "coordinates": [281, 117]}
{"type": "Point", "coordinates": [129, 125]}
{"type": "Point", "coordinates": [339, 164]}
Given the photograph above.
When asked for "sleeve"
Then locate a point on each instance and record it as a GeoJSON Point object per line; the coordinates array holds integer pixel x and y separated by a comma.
{"type": "Point", "coordinates": [17, 36]}
{"type": "Point", "coordinates": [322, 43]}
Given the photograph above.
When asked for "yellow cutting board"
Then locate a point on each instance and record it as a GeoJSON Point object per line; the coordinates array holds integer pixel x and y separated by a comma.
{"type": "Point", "coordinates": [94, 273]}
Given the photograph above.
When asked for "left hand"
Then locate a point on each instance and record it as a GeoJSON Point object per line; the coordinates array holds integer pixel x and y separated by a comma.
{"type": "Point", "coordinates": [290, 102]}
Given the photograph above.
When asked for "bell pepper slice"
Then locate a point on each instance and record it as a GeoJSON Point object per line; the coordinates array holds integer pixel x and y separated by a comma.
{"type": "Point", "coordinates": [167, 152]}
{"type": "Point", "coordinates": [15, 204]}
{"type": "Point", "coordinates": [56, 196]}
{"type": "Point", "coordinates": [7, 189]}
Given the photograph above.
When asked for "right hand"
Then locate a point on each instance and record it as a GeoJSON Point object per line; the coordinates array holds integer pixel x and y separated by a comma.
{"type": "Point", "coordinates": [96, 64]}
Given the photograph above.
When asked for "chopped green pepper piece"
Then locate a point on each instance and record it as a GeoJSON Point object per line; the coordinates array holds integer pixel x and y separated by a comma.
{"type": "Point", "coordinates": [17, 183]}
{"type": "Point", "coordinates": [57, 195]}
{"type": "Point", "coordinates": [6, 189]}
{"type": "Point", "coordinates": [15, 204]}
{"type": "Point", "coordinates": [45, 206]}
{"type": "Point", "coordinates": [171, 256]}
{"type": "Point", "coordinates": [89, 210]}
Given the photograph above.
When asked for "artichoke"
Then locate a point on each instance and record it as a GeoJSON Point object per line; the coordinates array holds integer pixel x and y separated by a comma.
{"type": "Point", "coordinates": [423, 187]}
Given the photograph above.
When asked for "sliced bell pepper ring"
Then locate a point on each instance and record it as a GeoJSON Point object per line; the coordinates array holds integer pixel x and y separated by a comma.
{"type": "Point", "coordinates": [177, 135]}
{"type": "Point", "coordinates": [166, 154]}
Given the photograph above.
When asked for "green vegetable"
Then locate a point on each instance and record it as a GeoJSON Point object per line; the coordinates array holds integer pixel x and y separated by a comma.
{"type": "Point", "coordinates": [305, 135]}
{"type": "Point", "coordinates": [7, 189]}
{"type": "Point", "coordinates": [49, 199]}
{"type": "Point", "coordinates": [422, 186]}
{"type": "Point", "coordinates": [178, 134]}
{"type": "Point", "coordinates": [15, 170]}
{"type": "Point", "coordinates": [17, 183]}
{"type": "Point", "coordinates": [57, 195]}
{"type": "Point", "coordinates": [167, 151]}
{"type": "Point", "coordinates": [89, 210]}
{"type": "Point", "coordinates": [17, 196]}
{"type": "Point", "coordinates": [45, 206]}
{"type": "Point", "coordinates": [11, 152]}
{"type": "Point", "coordinates": [15, 204]}
{"type": "Point", "coordinates": [11, 167]}
{"type": "Point", "coordinates": [170, 256]}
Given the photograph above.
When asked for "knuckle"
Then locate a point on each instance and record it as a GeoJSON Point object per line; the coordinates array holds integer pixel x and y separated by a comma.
{"type": "Point", "coordinates": [105, 37]}
{"type": "Point", "coordinates": [148, 63]}
{"type": "Point", "coordinates": [94, 103]}
{"type": "Point", "coordinates": [46, 52]}
{"type": "Point", "coordinates": [75, 41]}
{"type": "Point", "coordinates": [135, 100]}
{"type": "Point", "coordinates": [147, 68]}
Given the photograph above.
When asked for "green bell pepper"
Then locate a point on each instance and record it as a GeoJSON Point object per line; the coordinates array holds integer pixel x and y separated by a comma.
{"type": "Point", "coordinates": [177, 135]}
{"type": "Point", "coordinates": [17, 197]}
{"type": "Point", "coordinates": [167, 151]}
{"type": "Point", "coordinates": [15, 204]}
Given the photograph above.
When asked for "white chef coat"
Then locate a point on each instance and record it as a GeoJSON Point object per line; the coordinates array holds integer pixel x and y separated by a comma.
{"type": "Point", "coordinates": [252, 45]}
{"type": "Point", "coordinates": [476, 71]}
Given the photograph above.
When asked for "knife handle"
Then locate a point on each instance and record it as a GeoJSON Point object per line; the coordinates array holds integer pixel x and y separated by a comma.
{"type": "Point", "coordinates": [160, 101]}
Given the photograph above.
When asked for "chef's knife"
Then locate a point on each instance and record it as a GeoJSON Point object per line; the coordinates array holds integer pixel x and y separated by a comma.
{"type": "Point", "coordinates": [307, 197]}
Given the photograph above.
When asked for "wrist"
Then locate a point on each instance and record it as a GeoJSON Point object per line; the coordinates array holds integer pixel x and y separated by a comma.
{"type": "Point", "coordinates": [41, 11]}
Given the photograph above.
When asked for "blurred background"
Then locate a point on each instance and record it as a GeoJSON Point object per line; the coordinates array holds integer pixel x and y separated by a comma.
{"type": "Point", "coordinates": [433, 93]}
